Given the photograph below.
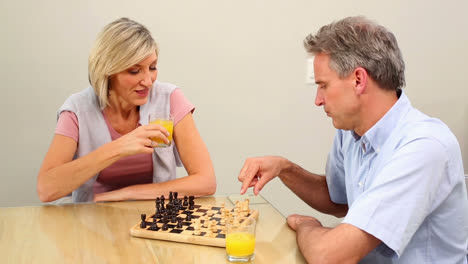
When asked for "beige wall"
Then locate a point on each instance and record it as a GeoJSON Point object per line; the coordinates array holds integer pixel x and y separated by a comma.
{"type": "Point", "coordinates": [240, 62]}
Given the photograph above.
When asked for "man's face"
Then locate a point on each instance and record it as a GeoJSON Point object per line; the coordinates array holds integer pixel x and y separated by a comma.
{"type": "Point", "coordinates": [337, 96]}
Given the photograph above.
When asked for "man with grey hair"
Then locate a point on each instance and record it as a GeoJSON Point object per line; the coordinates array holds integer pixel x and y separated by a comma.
{"type": "Point", "coordinates": [393, 173]}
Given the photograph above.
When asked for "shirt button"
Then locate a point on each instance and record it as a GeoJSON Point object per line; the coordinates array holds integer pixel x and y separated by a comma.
{"type": "Point", "coordinates": [360, 184]}
{"type": "Point", "coordinates": [377, 150]}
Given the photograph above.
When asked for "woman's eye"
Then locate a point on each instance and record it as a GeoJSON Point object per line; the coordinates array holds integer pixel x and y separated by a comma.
{"type": "Point", "coordinates": [134, 71]}
{"type": "Point", "coordinates": [153, 68]}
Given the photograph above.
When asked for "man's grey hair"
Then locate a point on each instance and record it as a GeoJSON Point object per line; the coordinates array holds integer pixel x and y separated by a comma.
{"type": "Point", "coordinates": [358, 42]}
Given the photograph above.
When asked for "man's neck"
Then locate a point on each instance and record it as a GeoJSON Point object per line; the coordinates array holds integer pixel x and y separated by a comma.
{"type": "Point", "coordinates": [375, 104]}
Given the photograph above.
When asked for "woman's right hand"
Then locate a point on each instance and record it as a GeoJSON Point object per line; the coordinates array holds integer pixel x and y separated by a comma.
{"type": "Point", "coordinates": [139, 140]}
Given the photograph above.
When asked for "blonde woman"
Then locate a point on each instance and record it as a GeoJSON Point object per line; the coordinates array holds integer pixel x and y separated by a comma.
{"type": "Point", "coordinates": [102, 151]}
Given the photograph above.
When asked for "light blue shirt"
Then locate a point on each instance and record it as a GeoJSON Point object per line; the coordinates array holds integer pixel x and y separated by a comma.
{"type": "Point", "coordinates": [403, 181]}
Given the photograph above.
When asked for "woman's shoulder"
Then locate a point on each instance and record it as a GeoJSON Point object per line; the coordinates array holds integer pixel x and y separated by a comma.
{"type": "Point", "coordinates": [84, 99]}
{"type": "Point", "coordinates": [163, 87]}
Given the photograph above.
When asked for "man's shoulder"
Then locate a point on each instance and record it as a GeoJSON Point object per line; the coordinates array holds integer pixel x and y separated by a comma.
{"type": "Point", "coordinates": [417, 125]}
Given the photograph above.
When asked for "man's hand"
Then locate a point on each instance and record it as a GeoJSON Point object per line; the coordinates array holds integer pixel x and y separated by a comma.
{"type": "Point", "coordinates": [294, 221]}
{"type": "Point", "coordinates": [256, 172]}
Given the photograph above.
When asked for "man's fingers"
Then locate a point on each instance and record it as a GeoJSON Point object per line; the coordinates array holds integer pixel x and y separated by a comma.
{"type": "Point", "coordinates": [291, 221]}
{"type": "Point", "coordinates": [247, 175]}
{"type": "Point", "coordinates": [253, 182]}
{"type": "Point", "coordinates": [261, 181]}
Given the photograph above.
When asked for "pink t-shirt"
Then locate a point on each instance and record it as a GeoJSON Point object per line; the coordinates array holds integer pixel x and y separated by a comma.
{"type": "Point", "coordinates": [131, 170]}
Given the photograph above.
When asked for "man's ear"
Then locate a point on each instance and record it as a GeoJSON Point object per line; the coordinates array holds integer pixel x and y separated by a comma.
{"type": "Point", "coordinates": [360, 80]}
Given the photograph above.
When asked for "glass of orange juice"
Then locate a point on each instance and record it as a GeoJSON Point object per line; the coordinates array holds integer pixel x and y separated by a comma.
{"type": "Point", "coordinates": [167, 121]}
{"type": "Point", "coordinates": [240, 239]}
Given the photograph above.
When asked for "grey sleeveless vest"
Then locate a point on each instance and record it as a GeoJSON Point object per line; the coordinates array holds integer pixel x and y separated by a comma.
{"type": "Point", "coordinates": [93, 133]}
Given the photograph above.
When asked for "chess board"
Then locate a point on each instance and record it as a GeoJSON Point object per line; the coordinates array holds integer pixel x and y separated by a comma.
{"type": "Point", "coordinates": [187, 233]}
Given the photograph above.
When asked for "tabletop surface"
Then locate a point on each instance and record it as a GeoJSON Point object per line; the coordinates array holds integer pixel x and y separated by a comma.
{"type": "Point", "coordinates": [99, 233]}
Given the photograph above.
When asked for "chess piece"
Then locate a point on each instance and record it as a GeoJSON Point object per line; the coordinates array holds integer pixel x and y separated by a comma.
{"type": "Point", "coordinates": [154, 227]}
{"type": "Point", "coordinates": [188, 217]}
{"type": "Point", "coordinates": [179, 223]}
{"type": "Point", "coordinates": [175, 195]}
{"type": "Point", "coordinates": [197, 227]}
{"type": "Point", "coordinates": [191, 203]}
{"type": "Point", "coordinates": [143, 221]}
{"type": "Point", "coordinates": [170, 197]}
{"type": "Point", "coordinates": [185, 201]}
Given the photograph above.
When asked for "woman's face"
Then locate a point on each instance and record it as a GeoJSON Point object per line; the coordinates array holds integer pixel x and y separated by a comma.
{"type": "Point", "coordinates": [132, 86]}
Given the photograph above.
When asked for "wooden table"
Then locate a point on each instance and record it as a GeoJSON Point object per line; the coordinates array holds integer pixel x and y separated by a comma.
{"type": "Point", "coordinates": [99, 233]}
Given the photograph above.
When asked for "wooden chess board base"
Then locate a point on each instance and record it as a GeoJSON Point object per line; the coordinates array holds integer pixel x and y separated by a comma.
{"type": "Point", "coordinates": [208, 236]}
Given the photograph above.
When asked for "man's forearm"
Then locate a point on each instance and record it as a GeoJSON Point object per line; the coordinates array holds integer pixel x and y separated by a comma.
{"type": "Point", "coordinates": [342, 244]}
{"type": "Point", "coordinates": [311, 188]}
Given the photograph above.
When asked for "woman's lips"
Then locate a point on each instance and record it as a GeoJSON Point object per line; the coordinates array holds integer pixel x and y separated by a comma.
{"type": "Point", "coordinates": [142, 93]}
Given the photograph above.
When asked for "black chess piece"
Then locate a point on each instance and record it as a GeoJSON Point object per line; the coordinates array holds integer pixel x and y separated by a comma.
{"type": "Point", "coordinates": [179, 223]}
{"type": "Point", "coordinates": [185, 201]}
{"type": "Point", "coordinates": [164, 226]}
{"type": "Point", "coordinates": [188, 217]}
{"type": "Point", "coordinates": [158, 213]}
{"type": "Point", "coordinates": [170, 197]}
{"type": "Point", "coordinates": [154, 227]}
{"type": "Point", "coordinates": [143, 221]}
{"type": "Point", "coordinates": [174, 219]}
{"type": "Point", "coordinates": [162, 199]}
{"type": "Point", "coordinates": [175, 195]}
{"type": "Point", "coordinates": [191, 205]}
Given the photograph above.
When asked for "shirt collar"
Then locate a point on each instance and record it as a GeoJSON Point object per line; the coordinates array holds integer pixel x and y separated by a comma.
{"type": "Point", "coordinates": [381, 131]}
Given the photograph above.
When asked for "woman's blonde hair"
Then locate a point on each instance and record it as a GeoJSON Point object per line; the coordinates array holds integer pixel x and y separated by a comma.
{"type": "Point", "coordinates": [121, 44]}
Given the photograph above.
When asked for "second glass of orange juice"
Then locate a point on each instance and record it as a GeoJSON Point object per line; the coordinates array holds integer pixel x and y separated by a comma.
{"type": "Point", "coordinates": [240, 240]}
{"type": "Point", "coordinates": [167, 121]}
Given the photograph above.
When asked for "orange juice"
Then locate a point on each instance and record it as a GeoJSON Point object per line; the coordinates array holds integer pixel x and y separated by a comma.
{"type": "Point", "coordinates": [168, 125]}
{"type": "Point", "coordinates": [240, 244]}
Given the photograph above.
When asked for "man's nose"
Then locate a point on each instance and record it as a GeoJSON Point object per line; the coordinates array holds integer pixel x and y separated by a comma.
{"type": "Point", "coordinates": [318, 99]}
